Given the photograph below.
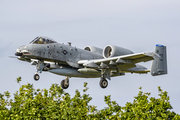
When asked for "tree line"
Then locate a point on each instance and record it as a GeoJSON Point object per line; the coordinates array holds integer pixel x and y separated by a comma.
{"type": "Point", "coordinates": [56, 104]}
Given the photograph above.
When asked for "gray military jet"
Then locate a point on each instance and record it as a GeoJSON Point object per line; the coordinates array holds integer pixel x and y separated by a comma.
{"type": "Point", "coordinates": [90, 62]}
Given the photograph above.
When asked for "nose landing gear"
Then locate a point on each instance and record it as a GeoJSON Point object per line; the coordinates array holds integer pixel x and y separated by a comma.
{"type": "Point", "coordinates": [39, 67]}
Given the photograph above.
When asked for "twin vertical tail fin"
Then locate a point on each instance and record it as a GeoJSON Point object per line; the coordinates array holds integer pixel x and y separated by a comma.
{"type": "Point", "coordinates": [159, 64]}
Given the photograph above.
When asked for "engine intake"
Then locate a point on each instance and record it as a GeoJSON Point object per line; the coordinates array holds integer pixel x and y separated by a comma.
{"type": "Point", "coordinates": [112, 51]}
{"type": "Point", "coordinates": [94, 49]}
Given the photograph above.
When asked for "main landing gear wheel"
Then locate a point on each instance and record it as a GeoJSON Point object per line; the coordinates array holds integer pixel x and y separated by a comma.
{"type": "Point", "coordinates": [103, 83]}
{"type": "Point", "coordinates": [36, 77]}
{"type": "Point", "coordinates": [64, 84]}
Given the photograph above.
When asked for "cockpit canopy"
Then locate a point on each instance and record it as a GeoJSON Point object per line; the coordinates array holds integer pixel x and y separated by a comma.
{"type": "Point", "coordinates": [42, 40]}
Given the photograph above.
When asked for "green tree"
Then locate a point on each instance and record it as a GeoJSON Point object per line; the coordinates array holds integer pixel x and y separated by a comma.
{"type": "Point", "coordinates": [55, 103]}
{"type": "Point", "coordinates": [143, 107]}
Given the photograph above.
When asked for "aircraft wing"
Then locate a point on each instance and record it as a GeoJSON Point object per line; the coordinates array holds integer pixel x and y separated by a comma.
{"type": "Point", "coordinates": [125, 61]}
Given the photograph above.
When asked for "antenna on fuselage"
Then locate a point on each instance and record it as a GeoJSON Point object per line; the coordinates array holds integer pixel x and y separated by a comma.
{"type": "Point", "coordinates": [69, 43]}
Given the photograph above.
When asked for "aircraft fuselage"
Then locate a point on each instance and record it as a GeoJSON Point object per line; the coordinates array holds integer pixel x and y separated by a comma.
{"type": "Point", "coordinates": [57, 52]}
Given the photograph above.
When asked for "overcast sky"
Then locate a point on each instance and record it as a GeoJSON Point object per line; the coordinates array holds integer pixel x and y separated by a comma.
{"type": "Point", "coordinates": [134, 24]}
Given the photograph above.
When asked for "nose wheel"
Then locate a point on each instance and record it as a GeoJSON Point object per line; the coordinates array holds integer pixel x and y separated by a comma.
{"type": "Point", "coordinates": [39, 67]}
{"type": "Point", "coordinates": [65, 83]}
{"type": "Point", "coordinates": [103, 83]}
{"type": "Point", "coordinates": [36, 77]}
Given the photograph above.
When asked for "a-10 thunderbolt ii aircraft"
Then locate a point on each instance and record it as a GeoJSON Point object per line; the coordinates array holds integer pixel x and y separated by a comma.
{"type": "Point", "coordinates": [90, 62]}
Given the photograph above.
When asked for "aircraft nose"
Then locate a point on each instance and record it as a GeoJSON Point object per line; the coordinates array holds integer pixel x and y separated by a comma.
{"type": "Point", "coordinates": [18, 51]}
{"type": "Point", "coordinates": [22, 51]}
{"type": "Point", "coordinates": [18, 54]}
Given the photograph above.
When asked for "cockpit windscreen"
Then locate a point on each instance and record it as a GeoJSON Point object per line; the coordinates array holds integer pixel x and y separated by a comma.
{"type": "Point", "coordinates": [42, 40]}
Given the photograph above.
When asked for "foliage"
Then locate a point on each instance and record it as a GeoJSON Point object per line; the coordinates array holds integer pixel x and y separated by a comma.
{"type": "Point", "coordinates": [55, 103]}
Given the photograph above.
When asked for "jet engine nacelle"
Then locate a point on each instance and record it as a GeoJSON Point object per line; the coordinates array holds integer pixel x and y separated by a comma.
{"type": "Point", "coordinates": [94, 49]}
{"type": "Point", "coordinates": [112, 51]}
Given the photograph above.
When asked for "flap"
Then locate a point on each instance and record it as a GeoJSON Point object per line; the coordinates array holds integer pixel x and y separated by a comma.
{"type": "Point", "coordinates": [130, 59]}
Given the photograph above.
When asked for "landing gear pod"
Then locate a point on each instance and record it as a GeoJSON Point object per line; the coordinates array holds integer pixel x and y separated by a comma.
{"type": "Point", "coordinates": [159, 65]}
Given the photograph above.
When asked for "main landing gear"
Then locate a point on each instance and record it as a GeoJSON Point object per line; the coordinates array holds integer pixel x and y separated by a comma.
{"type": "Point", "coordinates": [65, 83]}
{"type": "Point", "coordinates": [105, 73]}
{"type": "Point", "coordinates": [36, 77]}
{"type": "Point", "coordinates": [103, 83]}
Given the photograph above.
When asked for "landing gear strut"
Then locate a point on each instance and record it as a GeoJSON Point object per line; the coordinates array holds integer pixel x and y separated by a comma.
{"type": "Point", "coordinates": [65, 83]}
{"type": "Point", "coordinates": [39, 67]}
{"type": "Point", "coordinates": [105, 73]}
{"type": "Point", "coordinates": [103, 83]}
